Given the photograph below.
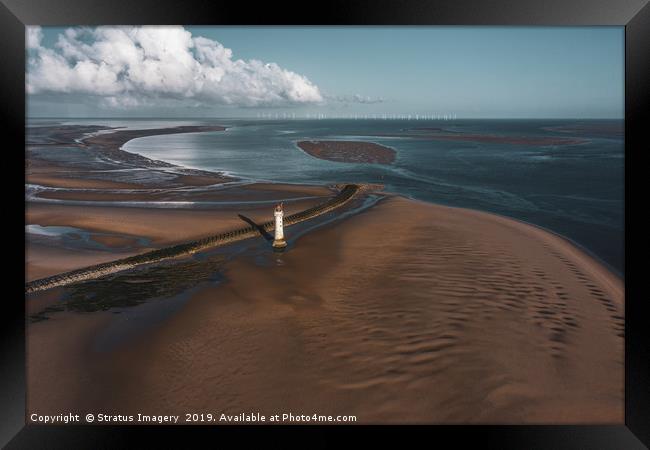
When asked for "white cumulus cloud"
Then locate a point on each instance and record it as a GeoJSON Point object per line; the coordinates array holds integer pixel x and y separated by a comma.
{"type": "Point", "coordinates": [33, 37]}
{"type": "Point", "coordinates": [128, 66]}
{"type": "Point", "coordinates": [356, 98]}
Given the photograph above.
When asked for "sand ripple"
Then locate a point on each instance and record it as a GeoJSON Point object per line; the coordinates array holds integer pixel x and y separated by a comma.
{"type": "Point", "coordinates": [405, 313]}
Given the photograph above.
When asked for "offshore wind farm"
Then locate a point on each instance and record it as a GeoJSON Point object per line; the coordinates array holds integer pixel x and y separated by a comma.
{"type": "Point", "coordinates": [356, 116]}
{"type": "Point", "coordinates": [243, 239]}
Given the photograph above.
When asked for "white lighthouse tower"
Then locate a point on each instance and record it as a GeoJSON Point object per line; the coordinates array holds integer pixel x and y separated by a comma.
{"type": "Point", "coordinates": [279, 241]}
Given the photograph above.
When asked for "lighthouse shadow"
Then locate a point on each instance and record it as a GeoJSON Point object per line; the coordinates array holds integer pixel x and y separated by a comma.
{"type": "Point", "coordinates": [265, 234]}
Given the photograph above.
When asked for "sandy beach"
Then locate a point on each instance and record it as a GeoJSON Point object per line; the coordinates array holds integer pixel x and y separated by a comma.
{"type": "Point", "coordinates": [401, 312]}
{"type": "Point", "coordinates": [438, 315]}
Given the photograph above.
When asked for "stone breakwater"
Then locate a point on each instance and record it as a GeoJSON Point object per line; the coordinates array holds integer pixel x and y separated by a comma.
{"type": "Point", "coordinates": [188, 248]}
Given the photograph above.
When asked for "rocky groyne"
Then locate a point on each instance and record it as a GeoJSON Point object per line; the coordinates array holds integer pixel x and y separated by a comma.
{"type": "Point", "coordinates": [188, 248]}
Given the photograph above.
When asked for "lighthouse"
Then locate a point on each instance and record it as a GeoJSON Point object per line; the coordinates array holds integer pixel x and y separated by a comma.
{"type": "Point", "coordinates": [278, 241]}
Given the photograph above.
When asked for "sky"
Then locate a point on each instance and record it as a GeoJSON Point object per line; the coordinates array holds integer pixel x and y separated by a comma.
{"type": "Point", "coordinates": [469, 72]}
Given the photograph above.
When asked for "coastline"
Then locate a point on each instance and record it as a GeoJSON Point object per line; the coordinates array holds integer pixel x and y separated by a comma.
{"type": "Point", "coordinates": [494, 320]}
{"type": "Point", "coordinates": [108, 155]}
{"type": "Point", "coordinates": [254, 229]}
{"type": "Point", "coordinates": [388, 313]}
{"type": "Point", "coordinates": [92, 203]}
{"type": "Point", "coordinates": [607, 266]}
{"type": "Point", "coordinates": [111, 143]}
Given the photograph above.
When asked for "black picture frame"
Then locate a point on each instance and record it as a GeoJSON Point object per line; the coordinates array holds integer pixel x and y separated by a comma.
{"type": "Point", "coordinates": [633, 14]}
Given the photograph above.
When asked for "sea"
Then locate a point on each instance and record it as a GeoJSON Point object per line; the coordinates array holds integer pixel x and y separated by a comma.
{"type": "Point", "coordinates": [575, 190]}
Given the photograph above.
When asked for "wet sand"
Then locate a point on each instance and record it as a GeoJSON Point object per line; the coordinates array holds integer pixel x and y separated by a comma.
{"type": "Point", "coordinates": [406, 313]}
{"type": "Point", "coordinates": [98, 160]}
{"type": "Point", "coordinates": [44, 260]}
{"type": "Point", "coordinates": [244, 194]}
{"type": "Point", "coordinates": [76, 183]}
{"type": "Point", "coordinates": [161, 226]}
{"type": "Point", "coordinates": [93, 169]}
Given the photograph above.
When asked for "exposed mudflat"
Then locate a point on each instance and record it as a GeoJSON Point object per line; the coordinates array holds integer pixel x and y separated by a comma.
{"type": "Point", "coordinates": [349, 151]}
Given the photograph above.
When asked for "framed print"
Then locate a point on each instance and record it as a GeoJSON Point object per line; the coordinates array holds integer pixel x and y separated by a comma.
{"type": "Point", "coordinates": [392, 218]}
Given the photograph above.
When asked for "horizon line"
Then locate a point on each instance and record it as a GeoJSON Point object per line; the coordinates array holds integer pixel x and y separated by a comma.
{"type": "Point", "coordinates": [324, 118]}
